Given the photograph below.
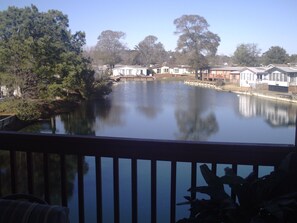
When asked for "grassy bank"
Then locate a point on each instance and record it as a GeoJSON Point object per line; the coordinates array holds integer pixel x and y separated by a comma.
{"type": "Point", "coordinates": [29, 110]}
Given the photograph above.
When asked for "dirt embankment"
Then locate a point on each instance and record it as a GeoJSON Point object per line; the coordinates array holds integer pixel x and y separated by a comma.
{"type": "Point", "coordinates": [182, 77]}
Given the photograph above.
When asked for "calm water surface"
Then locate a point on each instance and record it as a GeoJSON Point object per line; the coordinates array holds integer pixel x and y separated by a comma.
{"type": "Point", "coordinates": [165, 110]}
{"type": "Point", "coordinates": [174, 111]}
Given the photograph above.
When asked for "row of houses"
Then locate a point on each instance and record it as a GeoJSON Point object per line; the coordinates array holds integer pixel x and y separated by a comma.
{"type": "Point", "coordinates": [280, 77]}
{"type": "Point", "coordinates": [134, 70]}
{"type": "Point", "coordinates": [273, 77]}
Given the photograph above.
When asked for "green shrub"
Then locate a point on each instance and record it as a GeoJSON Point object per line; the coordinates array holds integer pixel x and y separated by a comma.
{"type": "Point", "coordinates": [268, 199]}
{"type": "Point", "coordinates": [28, 110]}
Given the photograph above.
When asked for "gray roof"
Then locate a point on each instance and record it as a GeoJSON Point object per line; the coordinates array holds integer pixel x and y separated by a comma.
{"type": "Point", "coordinates": [226, 68]}
{"type": "Point", "coordinates": [285, 69]}
{"type": "Point", "coordinates": [255, 70]}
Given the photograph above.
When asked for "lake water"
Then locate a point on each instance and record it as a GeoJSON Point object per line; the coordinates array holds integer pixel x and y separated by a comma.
{"type": "Point", "coordinates": [172, 111]}
{"type": "Point", "coordinates": [175, 111]}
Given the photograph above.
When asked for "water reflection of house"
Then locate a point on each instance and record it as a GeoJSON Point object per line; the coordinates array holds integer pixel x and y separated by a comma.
{"type": "Point", "coordinates": [275, 114]}
{"type": "Point", "coordinates": [247, 106]}
{"type": "Point", "coordinates": [129, 70]}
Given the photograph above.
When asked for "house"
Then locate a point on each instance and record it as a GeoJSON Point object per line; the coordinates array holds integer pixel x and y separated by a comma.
{"type": "Point", "coordinates": [228, 74]}
{"type": "Point", "coordinates": [129, 70]}
{"type": "Point", "coordinates": [281, 78]}
{"type": "Point", "coordinates": [7, 92]}
{"type": "Point", "coordinates": [251, 76]}
{"type": "Point", "coordinates": [161, 70]}
{"type": "Point", "coordinates": [176, 69]}
{"type": "Point", "coordinates": [181, 69]}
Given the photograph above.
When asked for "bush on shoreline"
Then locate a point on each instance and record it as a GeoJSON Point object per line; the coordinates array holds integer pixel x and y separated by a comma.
{"type": "Point", "coordinates": [31, 110]}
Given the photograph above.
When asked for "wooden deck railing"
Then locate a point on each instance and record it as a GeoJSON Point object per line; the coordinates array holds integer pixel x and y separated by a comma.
{"type": "Point", "coordinates": [133, 149]}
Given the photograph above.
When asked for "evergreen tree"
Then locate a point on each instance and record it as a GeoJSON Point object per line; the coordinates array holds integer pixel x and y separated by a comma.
{"type": "Point", "coordinates": [42, 57]}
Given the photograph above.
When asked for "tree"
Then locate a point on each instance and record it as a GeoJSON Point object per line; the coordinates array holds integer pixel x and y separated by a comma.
{"type": "Point", "coordinates": [246, 55]}
{"type": "Point", "coordinates": [41, 55]}
{"type": "Point", "coordinates": [151, 51]}
{"type": "Point", "coordinates": [110, 46]}
{"type": "Point", "coordinates": [195, 41]}
{"type": "Point", "coordinates": [275, 55]}
{"type": "Point", "coordinates": [293, 58]}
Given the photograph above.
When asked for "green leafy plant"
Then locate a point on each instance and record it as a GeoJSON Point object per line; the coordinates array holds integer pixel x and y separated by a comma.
{"type": "Point", "coordinates": [28, 110]}
{"type": "Point", "coordinates": [272, 198]}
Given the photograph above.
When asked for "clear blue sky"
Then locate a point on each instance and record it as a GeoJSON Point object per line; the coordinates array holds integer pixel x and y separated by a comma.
{"type": "Point", "coordinates": [264, 22]}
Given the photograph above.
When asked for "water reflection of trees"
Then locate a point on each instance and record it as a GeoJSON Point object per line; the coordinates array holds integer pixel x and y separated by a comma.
{"type": "Point", "coordinates": [194, 122]}
{"type": "Point", "coordinates": [80, 121]}
{"type": "Point", "coordinates": [148, 100]}
{"type": "Point", "coordinates": [38, 175]}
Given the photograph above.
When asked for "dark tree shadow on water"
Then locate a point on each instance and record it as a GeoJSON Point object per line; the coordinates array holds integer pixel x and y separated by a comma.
{"type": "Point", "coordinates": [38, 175]}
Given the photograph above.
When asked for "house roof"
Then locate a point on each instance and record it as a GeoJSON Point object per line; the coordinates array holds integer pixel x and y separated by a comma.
{"type": "Point", "coordinates": [255, 70]}
{"type": "Point", "coordinates": [129, 66]}
{"type": "Point", "coordinates": [226, 68]}
{"type": "Point", "coordinates": [284, 69]}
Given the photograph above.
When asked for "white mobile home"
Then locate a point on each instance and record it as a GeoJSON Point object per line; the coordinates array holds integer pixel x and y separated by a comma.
{"type": "Point", "coordinates": [250, 76]}
{"type": "Point", "coordinates": [127, 70]}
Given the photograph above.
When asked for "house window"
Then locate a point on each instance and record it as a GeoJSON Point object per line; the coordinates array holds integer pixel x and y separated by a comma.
{"type": "Point", "coordinates": [158, 70]}
{"type": "Point", "coordinates": [176, 70]}
{"type": "Point", "coordinates": [166, 70]}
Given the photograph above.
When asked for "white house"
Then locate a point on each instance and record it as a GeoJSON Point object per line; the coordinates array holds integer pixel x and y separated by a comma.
{"type": "Point", "coordinates": [280, 78]}
{"type": "Point", "coordinates": [161, 70]}
{"type": "Point", "coordinates": [129, 70]}
{"type": "Point", "coordinates": [250, 76]}
{"type": "Point", "coordinates": [4, 91]}
{"type": "Point", "coordinates": [180, 69]}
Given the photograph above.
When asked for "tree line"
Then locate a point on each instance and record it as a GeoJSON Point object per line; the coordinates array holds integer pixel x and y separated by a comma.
{"type": "Point", "coordinates": [196, 46]}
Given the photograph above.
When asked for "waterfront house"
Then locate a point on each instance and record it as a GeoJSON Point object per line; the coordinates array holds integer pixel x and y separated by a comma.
{"type": "Point", "coordinates": [227, 74]}
{"type": "Point", "coordinates": [7, 92]}
{"type": "Point", "coordinates": [251, 76]}
{"type": "Point", "coordinates": [181, 69]}
{"type": "Point", "coordinates": [281, 78]}
{"type": "Point", "coordinates": [175, 70]}
{"type": "Point", "coordinates": [161, 69]}
{"type": "Point", "coordinates": [129, 70]}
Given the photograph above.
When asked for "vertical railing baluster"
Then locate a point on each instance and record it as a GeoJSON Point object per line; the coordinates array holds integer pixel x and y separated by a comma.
{"type": "Point", "coordinates": [30, 173]}
{"type": "Point", "coordinates": [116, 192]}
{"type": "Point", "coordinates": [98, 189]}
{"type": "Point", "coordinates": [0, 184]}
{"type": "Point", "coordinates": [46, 178]}
{"type": "Point", "coordinates": [173, 192]}
{"type": "Point", "coordinates": [80, 182]}
{"type": "Point", "coordinates": [235, 170]}
{"type": "Point", "coordinates": [13, 172]}
{"type": "Point", "coordinates": [153, 191]}
{"type": "Point", "coordinates": [295, 131]}
{"type": "Point", "coordinates": [193, 178]}
{"type": "Point", "coordinates": [134, 191]}
{"type": "Point", "coordinates": [63, 179]}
